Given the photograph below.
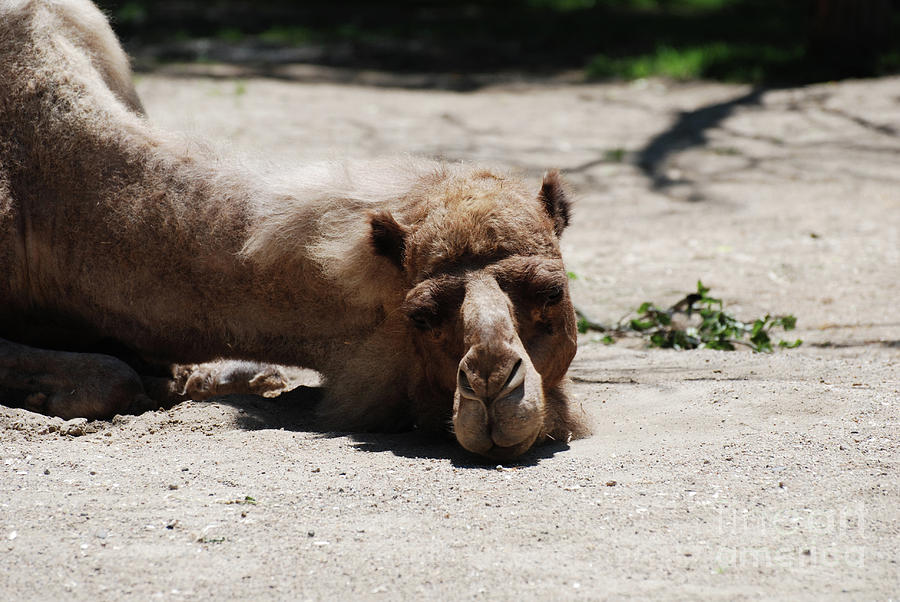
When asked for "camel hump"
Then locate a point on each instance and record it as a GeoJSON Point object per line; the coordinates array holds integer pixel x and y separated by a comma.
{"type": "Point", "coordinates": [81, 24]}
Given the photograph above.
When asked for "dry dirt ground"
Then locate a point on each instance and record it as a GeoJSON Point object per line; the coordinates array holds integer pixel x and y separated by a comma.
{"type": "Point", "coordinates": [711, 475]}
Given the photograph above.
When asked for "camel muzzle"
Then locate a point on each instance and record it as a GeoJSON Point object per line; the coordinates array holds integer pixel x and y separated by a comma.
{"type": "Point", "coordinates": [498, 405]}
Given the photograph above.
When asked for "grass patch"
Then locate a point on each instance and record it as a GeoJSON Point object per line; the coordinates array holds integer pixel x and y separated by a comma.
{"type": "Point", "coordinates": [231, 35]}
{"type": "Point", "coordinates": [614, 155]}
{"type": "Point", "coordinates": [889, 62]}
{"type": "Point", "coordinates": [649, 5]}
{"type": "Point", "coordinates": [719, 60]}
{"type": "Point", "coordinates": [288, 36]}
{"type": "Point", "coordinates": [134, 13]}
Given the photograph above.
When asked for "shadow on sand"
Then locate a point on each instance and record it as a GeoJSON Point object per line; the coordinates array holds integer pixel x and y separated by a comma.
{"type": "Point", "coordinates": [295, 411]}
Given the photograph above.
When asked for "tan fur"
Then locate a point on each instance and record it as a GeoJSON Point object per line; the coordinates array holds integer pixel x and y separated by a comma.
{"type": "Point", "coordinates": [111, 230]}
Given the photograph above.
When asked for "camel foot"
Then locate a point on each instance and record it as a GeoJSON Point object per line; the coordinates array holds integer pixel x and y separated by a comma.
{"type": "Point", "coordinates": [228, 377]}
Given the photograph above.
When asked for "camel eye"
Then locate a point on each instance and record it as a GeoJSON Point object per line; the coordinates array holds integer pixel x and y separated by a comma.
{"type": "Point", "coordinates": [422, 320]}
{"type": "Point", "coordinates": [554, 296]}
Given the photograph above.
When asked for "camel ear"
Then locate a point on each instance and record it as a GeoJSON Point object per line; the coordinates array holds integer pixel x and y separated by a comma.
{"type": "Point", "coordinates": [556, 201]}
{"type": "Point", "coordinates": [388, 237]}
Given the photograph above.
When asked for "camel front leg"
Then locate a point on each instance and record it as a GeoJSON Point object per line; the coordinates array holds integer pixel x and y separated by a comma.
{"type": "Point", "coordinates": [199, 382]}
{"type": "Point", "coordinates": [368, 389]}
{"type": "Point", "coordinates": [68, 385]}
{"type": "Point", "coordinates": [228, 377]}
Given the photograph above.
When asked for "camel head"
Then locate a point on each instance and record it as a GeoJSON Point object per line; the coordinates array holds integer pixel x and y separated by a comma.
{"type": "Point", "coordinates": [488, 305]}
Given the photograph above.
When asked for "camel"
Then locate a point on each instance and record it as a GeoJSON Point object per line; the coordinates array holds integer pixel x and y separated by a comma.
{"type": "Point", "coordinates": [427, 294]}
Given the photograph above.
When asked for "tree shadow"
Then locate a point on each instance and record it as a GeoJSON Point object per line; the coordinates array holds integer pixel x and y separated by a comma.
{"type": "Point", "coordinates": [443, 43]}
{"type": "Point", "coordinates": [689, 130]}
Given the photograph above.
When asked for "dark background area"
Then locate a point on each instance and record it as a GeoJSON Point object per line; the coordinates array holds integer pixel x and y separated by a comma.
{"type": "Point", "coordinates": [758, 41]}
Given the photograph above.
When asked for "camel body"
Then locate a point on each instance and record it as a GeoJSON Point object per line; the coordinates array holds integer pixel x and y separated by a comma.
{"type": "Point", "coordinates": [117, 236]}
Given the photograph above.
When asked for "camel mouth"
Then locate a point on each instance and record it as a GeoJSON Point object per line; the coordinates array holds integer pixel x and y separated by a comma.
{"type": "Point", "coordinates": [503, 453]}
{"type": "Point", "coordinates": [501, 429]}
{"type": "Point", "coordinates": [492, 450]}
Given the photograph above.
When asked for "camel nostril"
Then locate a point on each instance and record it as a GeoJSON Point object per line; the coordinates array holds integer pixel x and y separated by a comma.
{"type": "Point", "coordinates": [485, 384]}
{"type": "Point", "coordinates": [516, 377]}
{"type": "Point", "coordinates": [465, 387]}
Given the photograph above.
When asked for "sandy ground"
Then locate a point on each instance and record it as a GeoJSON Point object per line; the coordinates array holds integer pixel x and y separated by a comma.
{"type": "Point", "coordinates": [711, 475]}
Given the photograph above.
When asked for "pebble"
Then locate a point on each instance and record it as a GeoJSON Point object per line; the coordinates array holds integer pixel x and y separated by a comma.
{"type": "Point", "coordinates": [75, 427]}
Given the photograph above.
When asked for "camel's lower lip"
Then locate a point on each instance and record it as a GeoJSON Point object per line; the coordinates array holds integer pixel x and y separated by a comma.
{"type": "Point", "coordinates": [501, 452]}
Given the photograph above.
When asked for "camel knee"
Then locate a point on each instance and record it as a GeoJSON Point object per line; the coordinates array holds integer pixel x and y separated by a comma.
{"type": "Point", "coordinates": [68, 385]}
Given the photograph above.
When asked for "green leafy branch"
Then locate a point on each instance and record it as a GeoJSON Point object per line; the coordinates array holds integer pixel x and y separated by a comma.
{"type": "Point", "coordinates": [697, 321]}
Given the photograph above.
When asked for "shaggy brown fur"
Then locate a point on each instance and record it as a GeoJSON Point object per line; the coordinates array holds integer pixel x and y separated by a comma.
{"type": "Point", "coordinates": [425, 293]}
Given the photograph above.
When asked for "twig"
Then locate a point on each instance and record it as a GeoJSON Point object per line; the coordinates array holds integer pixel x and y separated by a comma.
{"type": "Point", "coordinates": [716, 330]}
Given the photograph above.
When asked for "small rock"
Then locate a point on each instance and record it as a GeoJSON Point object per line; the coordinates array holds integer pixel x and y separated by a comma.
{"type": "Point", "coordinates": [75, 427]}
